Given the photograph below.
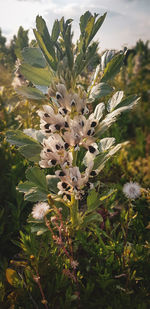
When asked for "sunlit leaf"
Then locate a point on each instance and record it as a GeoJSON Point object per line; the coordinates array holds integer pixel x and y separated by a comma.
{"type": "Point", "coordinates": [55, 31]}
{"type": "Point", "coordinates": [106, 57]}
{"type": "Point", "coordinates": [30, 93]}
{"type": "Point", "coordinates": [38, 76]}
{"type": "Point", "coordinates": [114, 101]}
{"type": "Point", "coordinates": [48, 56]}
{"type": "Point", "coordinates": [106, 143]}
{"type": "Point", "coordinates": [93, 200]}
{"type": "Point", "coordinates": [113, 67]}
{"type": "Point", "coordinates": [100, 90]}
{"type": "Point", "coordinates": [34, 57]}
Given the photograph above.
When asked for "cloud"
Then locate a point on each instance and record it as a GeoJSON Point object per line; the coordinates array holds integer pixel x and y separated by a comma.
{"type": "Point", "coordinates": [126, 21]}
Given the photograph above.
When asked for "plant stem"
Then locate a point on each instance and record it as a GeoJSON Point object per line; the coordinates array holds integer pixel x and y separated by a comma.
{"type": "Point", "coordinates": [74, 211]}
{"type": "Point", "coordinates": [44, 301]}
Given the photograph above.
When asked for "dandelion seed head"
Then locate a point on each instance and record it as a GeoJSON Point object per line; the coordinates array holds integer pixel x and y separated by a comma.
{"type": "Point", "coordinates": [40, 210]}
{"type": "Point", "coordinates": [132, 190]}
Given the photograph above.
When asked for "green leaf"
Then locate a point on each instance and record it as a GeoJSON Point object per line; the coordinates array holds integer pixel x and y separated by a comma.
{"type": "Point", "coordinates": [102, 158]}
{"type": "Point", "coordinates": [84, 20]}
{"type": "Point", "coordinates": [38, 76]}
{"type": "Point", "coordinates": [88, 29]}
{"type": "Point", "coordinates": [108, 194]}
{"type": "Point", "coordinates": [18, 138]}
{"type": "Point", "coordinates": [100, 90]}
{"type": "Point", "coordinates": [25, 186]}
{"type": "Point", "coordinates": [129, 100]}
{"type": "Point", "coordinates": [106, 143]}
{"type": "Point", "coordinates": [97, 26]}
{"type": "Point", "coordinates": [38, 229]}
{"type": "Point", "coordinates": [55, 31]}
{"type": "Point", "coordinates": [99, 160]}
{"type": "Point", "coordinates": [37, 176]}
{"type": "Point", "coordinates": [90, 218]}
{"type": "Point", "coordinates": [114, 101]}
{"type": "Point", "coordinates": [35, 188]}
{"type": "Point", "coordinates": [31, 152]}
{"type": "Point", "coordinates": [52, 182]}
{"type": "Point", "coordinates": [43, 31]}
{"type": "Point", "coordinates": [32, 193]}
{"type": "Point", "coordinates": [93, 200]}
{"type": "Point", "coordinates": [113, 67]}
{"type": "Point", "coordinates": [106, 57]}
{"type": "Point", "coordinates": [68, 46]}
{"type": "Point", "coordinates": [28, 146]}
{"type": "Point", "coordinates": [34, 57]}
{"type": "Point", "coordinates": [48, 56]}
{"type": "Point", "coordinates": [83, 59]}
{"type": "Point", "coordinates": [31, 93]}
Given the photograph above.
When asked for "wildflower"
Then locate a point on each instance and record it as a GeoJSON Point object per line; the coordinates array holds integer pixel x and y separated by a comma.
{"type": "Point", "coordinates": [132, 190]}
{"type": "Point", "coordinates": [50, 122]}
{"type": "Point", "coordinates": [72, 182]}
{"type": "Point", "coordinates": [40, 210]}
{"type": "Point", "coordinates": [54, 152]}
{"type": "Point", "coordinates": [68, 102]}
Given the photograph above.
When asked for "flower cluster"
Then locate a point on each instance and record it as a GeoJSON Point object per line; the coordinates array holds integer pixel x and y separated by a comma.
{"type": "Point", "coordinates": [66, 127]}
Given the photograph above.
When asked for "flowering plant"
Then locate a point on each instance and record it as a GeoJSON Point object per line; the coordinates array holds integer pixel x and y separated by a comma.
{"type": "Point", "coordinates": [71, 146]}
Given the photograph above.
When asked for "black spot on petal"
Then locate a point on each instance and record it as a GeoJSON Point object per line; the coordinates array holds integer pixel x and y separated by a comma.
{"type": "Point", "coordinates": [53, 162]}
{"type": "Point", "coordinates": [66, 146]}
{"type": "Point", "coordinates": [61, 174]}
{"type": "Point", "coordinates": [65, 111]}
{"type": "Point", "coordinates": [93, 173]}
{"type": "Point", "coordinates": [46, 115]}
{"type": "Point", "coordinates": [89, 132]}
{"type": "Point", "coordinates": [57, 126]}
{"type": "Point", "coordinates": [92, 149]}
{"type": "Point", "coordinates": [64, 185]}
{"type": "Point", "coordinates": [46, 126]}
{"type": "Point", "coordinates": [73, 103]}
{"type": "Point", "coordinates": [66, 124]}
{"type": "Point", "coordinates": [57, 147]}
{"type": "Point", "coordinates": [58, 96]}
{"type": "Point", "coordinates": [93, 124]}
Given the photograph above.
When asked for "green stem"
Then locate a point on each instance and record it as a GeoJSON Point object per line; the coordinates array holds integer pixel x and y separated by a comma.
{"type": "Point", "coordinates": [74, 211]}
{"type": "Point", "coordinates": [74, 154]}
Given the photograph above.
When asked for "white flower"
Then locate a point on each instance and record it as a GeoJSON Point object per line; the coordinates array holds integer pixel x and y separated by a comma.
{"type": "Point", "coordinates": [132, 190]}
{"type": "Point", "coordinates": [69, 102]}
{"type": "Point", "coordinates": [50, 121]}
{"type": "Point", "coordinates": [54, 152]}
{"type": "Point", "coordinates": [40, 210]}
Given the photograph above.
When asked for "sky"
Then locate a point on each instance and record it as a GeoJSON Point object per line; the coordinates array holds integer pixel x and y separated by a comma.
{"type": "Point", "coordinates": [127, 20]}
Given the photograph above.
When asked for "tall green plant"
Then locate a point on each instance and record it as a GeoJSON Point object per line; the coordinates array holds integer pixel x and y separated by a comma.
{"type": "Point", "coordinates": [69, 151]}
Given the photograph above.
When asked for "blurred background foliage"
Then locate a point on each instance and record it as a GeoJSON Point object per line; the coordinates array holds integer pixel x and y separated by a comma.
{"type": "Point", "coordinates": [100, 256]}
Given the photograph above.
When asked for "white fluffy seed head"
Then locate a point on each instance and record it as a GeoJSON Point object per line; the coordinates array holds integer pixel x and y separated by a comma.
{"type": "Point", "coordinates": [132, 190]}
{"type": "Point", "coordinates": [40, 210]}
